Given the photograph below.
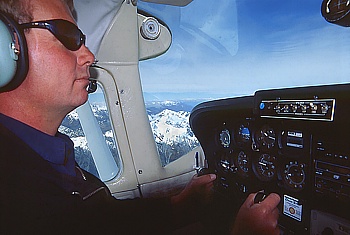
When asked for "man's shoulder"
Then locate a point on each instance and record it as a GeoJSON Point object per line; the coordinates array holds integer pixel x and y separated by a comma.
{"type": "Point", "coordinates": [9, 141]}
{"type": "Point", "coordinates": [16, 157]}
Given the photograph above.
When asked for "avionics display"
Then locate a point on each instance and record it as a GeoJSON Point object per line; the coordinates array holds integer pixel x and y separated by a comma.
{"type": "Point", "coordinates": [322, 110]}
{"type": "Point", "coordinates": [295, 139]}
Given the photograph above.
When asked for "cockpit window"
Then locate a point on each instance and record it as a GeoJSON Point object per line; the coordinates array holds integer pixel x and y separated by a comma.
{"type": "Point", "coordinates": [231, 48]}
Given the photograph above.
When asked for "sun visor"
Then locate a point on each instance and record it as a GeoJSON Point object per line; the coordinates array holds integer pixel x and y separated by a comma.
{"type": "Point", "coordinates": [94, 18]}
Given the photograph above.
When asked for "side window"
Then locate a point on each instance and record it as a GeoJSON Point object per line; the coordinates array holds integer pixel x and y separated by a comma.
{"type": "Point", "coordinates": [171, 129]}
{"type": "Point", "coordinates": [73, 127]}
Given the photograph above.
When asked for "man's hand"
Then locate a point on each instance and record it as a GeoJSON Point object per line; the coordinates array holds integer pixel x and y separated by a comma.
{"type": "Point", "coordinates": [195, 195]}
{"type": "Point", "coordinates": [198, 190]}
{"type": "Point", "coordinates": [258, 218]}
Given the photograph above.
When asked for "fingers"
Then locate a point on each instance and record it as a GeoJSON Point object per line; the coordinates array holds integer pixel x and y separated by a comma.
{"type": "Point", "coordinates": [258, 218]}
{"type": "Point", "coordinates": [272, 201]}
{"type": "Point", "coordinates": [249, 202]}
{"type": "Point", "coordinates": [275, 214]}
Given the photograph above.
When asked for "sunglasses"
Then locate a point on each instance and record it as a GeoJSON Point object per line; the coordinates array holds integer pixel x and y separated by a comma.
{"type": "Point", "coordinates": [66, 32]}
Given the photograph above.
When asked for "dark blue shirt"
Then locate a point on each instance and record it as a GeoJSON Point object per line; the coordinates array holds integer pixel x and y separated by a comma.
{"type": "Point", "coordinates": [58, 150]}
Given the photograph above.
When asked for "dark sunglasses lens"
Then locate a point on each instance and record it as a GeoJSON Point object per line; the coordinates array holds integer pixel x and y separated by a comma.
{"type": "Point", "coordinates": [68, 34]}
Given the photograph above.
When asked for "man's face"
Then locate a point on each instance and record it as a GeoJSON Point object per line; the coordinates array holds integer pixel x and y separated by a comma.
{"type": "Point", "coordinates": [57, 77]}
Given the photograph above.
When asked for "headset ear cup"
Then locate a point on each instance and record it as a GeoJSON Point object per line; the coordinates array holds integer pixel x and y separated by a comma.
{"type": "Point", "coordinates": [8, 64]}
{"type": "Point", "coordinates": [13, 66]}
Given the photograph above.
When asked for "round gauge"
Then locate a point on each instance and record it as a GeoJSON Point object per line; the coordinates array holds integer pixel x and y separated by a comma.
{"type": "Point", "coordinates": [226, 166]}
{"type": "Point", "coordinates": [243, 134]}
{"type": "Point", "coordinates": [225, 138]}
{"type": "Point", "coordinates": [265, 167]}
{"type": "Point", "coordinates": [294, 175]}
{"type": "Point", "coordinates": [243, 162]}
{"type": "Point", "coordinates": [266, 137]}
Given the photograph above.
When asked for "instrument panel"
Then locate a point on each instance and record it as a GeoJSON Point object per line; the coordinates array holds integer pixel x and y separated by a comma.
{"type": "Point", "coordinates": [288, 141]}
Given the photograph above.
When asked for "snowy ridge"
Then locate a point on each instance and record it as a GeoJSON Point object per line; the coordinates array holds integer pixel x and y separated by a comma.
{"type": "Point", "coordinates": [80, 142]}
{"type": "Point", "coordinates": [170, 127]}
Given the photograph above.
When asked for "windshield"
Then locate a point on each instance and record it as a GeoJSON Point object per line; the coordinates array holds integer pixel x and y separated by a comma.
{"type": "Point", "coordinates": [227, 48]}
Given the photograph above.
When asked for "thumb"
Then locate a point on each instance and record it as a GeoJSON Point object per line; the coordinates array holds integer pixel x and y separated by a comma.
{"type": "Point", "coordinates": [204, 179]}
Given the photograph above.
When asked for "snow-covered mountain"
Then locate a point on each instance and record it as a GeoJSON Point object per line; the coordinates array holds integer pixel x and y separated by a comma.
{"type": "Point", "coordinates": [71, 127]}
{"type": "Point", "coordinates": [169, 122]}
{"type": "Point", "coordinates": [169, 126]}
{"type": "Point", "coordinates": [172, 134]}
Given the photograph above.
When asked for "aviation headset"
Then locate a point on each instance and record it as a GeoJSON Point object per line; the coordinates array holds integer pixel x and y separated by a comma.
{"type": "Point", "coordinates": [13, 54]}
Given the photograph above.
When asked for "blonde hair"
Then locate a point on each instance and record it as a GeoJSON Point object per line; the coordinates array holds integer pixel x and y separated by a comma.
{"type": "Point", "coordinates": [21, 10]}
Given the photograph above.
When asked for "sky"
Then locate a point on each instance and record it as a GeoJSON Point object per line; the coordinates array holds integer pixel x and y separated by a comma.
{"type": "Point", "coordinates": [233, 48]}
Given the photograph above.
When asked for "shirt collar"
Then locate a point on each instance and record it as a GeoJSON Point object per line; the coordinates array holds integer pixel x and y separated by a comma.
{"type": "Point", "coordinates": [54, 149]}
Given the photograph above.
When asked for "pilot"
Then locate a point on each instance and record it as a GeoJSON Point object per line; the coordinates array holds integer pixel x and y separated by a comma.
{"type": "Point", "coordinates": [42, 188]}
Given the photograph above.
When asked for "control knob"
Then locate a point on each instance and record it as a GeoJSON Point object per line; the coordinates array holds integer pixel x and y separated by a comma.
{"type": "Point", "coordinates": [303, 108]}
{"type": "Point", "coordinates": [324, 108]}
{"type": "Point", "coordinates": [313, 106]}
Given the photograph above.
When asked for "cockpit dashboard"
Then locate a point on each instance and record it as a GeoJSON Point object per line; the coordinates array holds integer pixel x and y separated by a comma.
{"type": "Point", "coordinates": [290, 141]}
